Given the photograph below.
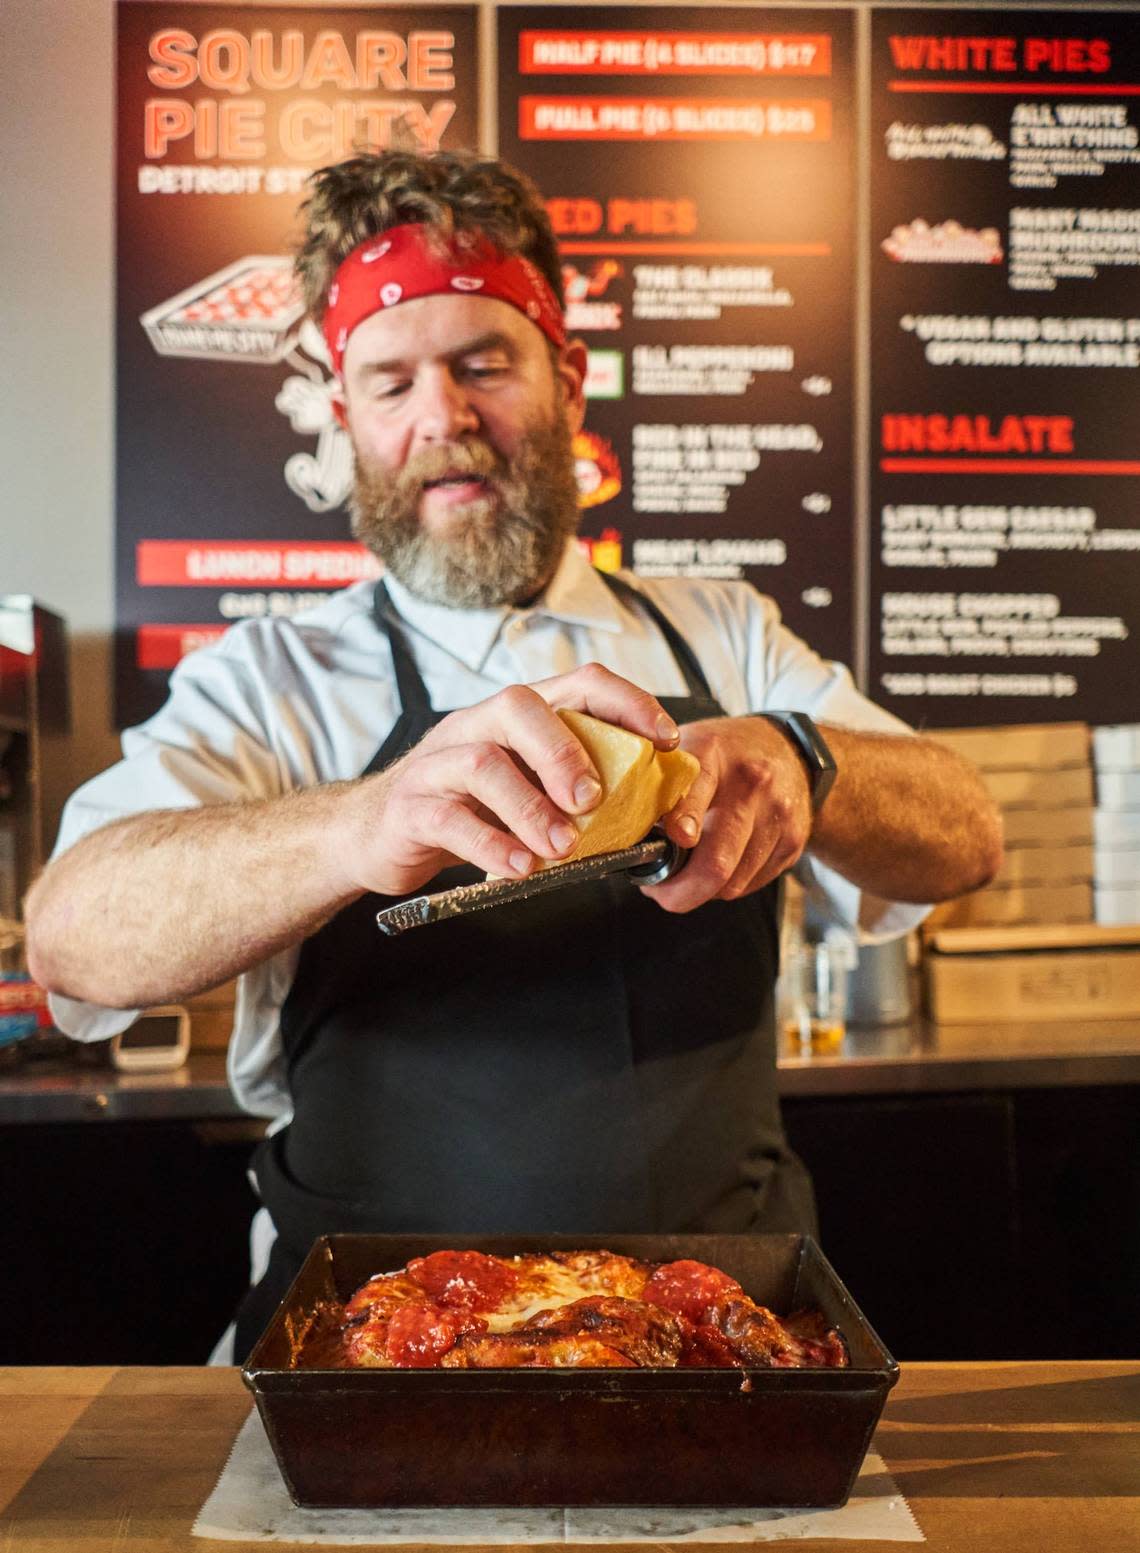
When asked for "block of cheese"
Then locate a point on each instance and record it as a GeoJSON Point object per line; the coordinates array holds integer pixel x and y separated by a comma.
{"type": "Point", "coordinates": [640, 783]}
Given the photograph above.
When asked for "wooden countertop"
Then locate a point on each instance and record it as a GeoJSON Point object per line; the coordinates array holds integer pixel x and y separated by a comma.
{"type": "Point", "coordinates": [1018, 1458]}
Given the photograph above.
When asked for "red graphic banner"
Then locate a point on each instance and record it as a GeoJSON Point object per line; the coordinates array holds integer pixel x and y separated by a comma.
{"type": "Point", "coordinates": [175, 563]}
{"type": "Point", "coordinates": [675, 53]}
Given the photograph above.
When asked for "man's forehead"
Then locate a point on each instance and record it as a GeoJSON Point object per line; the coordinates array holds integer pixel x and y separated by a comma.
{"type": "Point", "coordinates": [439, 326]}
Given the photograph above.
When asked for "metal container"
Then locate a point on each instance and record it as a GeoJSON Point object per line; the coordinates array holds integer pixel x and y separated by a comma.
{"type": "Point", "coordinates": [878, 992]}
{"type": "Point", "coordinates": [368, 1437]}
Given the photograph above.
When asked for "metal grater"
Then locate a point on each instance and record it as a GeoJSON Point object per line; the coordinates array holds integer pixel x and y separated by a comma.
{"type": "Point", "coordinates": [649, 862]}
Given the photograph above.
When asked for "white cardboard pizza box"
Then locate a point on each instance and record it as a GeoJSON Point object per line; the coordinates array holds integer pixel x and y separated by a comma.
{"type": "Point", "coordinates": [1117, 748]}
{"type": "Point", "coordinates": [1117, 904]}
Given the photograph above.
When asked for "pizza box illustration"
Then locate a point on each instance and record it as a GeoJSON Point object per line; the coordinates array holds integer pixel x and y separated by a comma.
{"type": "Point", "coordinates": [250, 311]}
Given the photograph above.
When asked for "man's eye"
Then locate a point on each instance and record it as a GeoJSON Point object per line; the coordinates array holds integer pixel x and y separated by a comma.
{"type": "Point", "coordinates": [390, 390]}
{"type": "Point", "coordinates": [483, 371]}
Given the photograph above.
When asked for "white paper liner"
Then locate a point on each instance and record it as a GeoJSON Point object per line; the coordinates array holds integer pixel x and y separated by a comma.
{"type": "Point", "coordinates": [251, 1504]}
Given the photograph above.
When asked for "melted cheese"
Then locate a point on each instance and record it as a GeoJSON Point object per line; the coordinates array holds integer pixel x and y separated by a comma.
{"type": "Point", "coordinates": [542, 1284]}
{"type": "Point", "coordinates": [546, 1286]}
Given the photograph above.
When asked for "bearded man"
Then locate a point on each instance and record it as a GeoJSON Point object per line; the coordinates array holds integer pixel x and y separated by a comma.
{"type": "Point", "coordinates": [598, 1060]}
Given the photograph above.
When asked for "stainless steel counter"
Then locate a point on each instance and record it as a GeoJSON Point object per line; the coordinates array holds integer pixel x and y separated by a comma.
{"type": "Point", "coordinates": [907, 1059]}
{"type": "Point", "coordinates": [920, 1057]}
{"type": "Point", "coordinates": [57, 1090]}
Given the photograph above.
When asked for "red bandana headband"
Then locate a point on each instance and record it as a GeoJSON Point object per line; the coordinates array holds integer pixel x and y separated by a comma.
{"type": "Point", "coordinates": [398, 265]}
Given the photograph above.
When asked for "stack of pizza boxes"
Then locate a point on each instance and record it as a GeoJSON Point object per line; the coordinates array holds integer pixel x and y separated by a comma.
{"type": "Point", "coordinates": [1116, 824]}
{"type": "Point", "coordinates": [1026, 948]}
{"type": "Point", "coordinates": [1041, 777]}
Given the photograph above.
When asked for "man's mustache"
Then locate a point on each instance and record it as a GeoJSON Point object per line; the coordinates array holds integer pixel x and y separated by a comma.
{"type": "Point", "coordinates": [475, 457]}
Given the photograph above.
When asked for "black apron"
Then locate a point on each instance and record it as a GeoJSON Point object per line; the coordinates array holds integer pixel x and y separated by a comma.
{"type": "Point", "coordinates": [583, 1062]}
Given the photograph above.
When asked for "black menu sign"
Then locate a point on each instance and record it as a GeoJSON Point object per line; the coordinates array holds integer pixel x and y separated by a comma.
{"type": "Point", "coordinates": [232, 470]}
{"type": "Point", "coordinates": [698, 166]}
{"type": "Point", "coordinates": [1005, 214]}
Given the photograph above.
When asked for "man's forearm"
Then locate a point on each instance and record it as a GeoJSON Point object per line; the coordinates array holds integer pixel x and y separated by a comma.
{"type": "Point", "coordinates": [165, 904]}
{"type": "Point", "coordinates": [168, 903]}
{"type": "Point", "coordinates": [907, 819]}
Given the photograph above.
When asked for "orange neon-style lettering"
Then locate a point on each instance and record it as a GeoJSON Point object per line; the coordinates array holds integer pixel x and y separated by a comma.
{"type": "Point", "coordinates": [426, 72]}
{"type": "Point", "coordinates": [163, 121]}
{"type": "Point", "coordinates": [380, 58]}
{"type": "Point", "coordinates": [241, 130]}
{"type": "Point", "coordinates": [172, 51]}
{"type": "Point", "coordinates": [275, 75]}
{"type": "Point", "coordinates": [304, 129]}
{"type": "Point", "coordinates": [223, 61]}
{"type": "Point", "coordinates": [328, 64]}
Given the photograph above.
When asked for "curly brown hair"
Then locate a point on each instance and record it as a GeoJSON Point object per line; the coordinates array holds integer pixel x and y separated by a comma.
{"type": "Point", "coordinates": [458, 195]}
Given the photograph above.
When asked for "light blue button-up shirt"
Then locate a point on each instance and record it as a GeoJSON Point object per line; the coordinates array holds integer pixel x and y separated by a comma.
{"type": "Point", "coordinates": [277, 705]}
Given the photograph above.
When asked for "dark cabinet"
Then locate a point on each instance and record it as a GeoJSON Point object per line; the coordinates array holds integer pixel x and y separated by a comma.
{"type": "Point", "coordinates": [983, 1226]}
{"type": "Point", "coordinates": [121, 1242]}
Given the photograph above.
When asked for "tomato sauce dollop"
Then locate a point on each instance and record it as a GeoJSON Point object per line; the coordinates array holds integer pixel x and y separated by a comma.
{"type": "Point", "coordinates": [419, 1335]}
{"type": "Point", "coordinates": [688, 1288]}
{"type": "Point", "coordinates": [463, 1280]}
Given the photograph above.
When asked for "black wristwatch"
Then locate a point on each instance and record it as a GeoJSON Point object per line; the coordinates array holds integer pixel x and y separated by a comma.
{"type": "Point", "coordinates": [802, 733]}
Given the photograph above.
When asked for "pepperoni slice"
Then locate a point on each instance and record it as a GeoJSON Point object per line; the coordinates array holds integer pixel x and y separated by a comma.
{"type": "Point", "coordinates": [463, 1280]}
{"type": "Point", "coordinates": [418, 1335]}
{"type": "Point", "coordinates": [688, 1288]}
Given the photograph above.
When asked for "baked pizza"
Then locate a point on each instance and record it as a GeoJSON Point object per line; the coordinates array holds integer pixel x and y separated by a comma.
{"type": "Point", "coordinates": [465, 1310]}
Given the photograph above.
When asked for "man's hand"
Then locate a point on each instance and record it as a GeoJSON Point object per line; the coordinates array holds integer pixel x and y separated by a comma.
{"type": "Point", "coordinates": [906, 820]}
{"type": "Point", "coordinates": [490, 785]}
{"type": "Point", "coordinates": [747, 815]}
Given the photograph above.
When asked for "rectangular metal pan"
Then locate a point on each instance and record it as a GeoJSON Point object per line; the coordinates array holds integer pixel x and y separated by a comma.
{"type": "Point", "coordinates": [366, 1437]}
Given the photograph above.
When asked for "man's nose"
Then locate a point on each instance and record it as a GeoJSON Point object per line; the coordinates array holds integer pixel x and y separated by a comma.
{"type": "Point", "coordinates": [443, 410]}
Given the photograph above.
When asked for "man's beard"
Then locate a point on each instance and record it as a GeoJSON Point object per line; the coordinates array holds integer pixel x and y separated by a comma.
{"type": "Point", "coordinates": [502, 548]}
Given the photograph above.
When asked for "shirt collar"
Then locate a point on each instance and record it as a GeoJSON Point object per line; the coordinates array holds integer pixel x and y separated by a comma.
{"type": "Point", "coordinates": [575, 595]}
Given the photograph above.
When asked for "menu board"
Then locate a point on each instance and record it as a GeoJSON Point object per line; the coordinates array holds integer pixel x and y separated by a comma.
{"type": "Point", "coordinates": [703, 175]}
{"type": "Point", "coordinates": [231, 469]}
{"type": "Point", "coordinates": [1005, 297]}
{"type": "Point", "coordinates": [698, 166]}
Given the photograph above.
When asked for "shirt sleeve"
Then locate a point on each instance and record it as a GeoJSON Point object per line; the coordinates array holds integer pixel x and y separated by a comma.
{"type": "Point", "coordinates": [785, 674]}
{"type": "Point", "coordinates": [209, 744]}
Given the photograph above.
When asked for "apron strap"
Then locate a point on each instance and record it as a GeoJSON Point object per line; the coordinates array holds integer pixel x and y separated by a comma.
{"type": "Point", "coordinates": [697, 684]}
{"type": "Point", "coordinates": [409, 683]}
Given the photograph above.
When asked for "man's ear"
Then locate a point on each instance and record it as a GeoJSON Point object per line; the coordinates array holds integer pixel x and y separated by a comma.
{"type": "Point", "coordinates": [336, 400]}
{"type": "Point", "coordinates": [571, 374]}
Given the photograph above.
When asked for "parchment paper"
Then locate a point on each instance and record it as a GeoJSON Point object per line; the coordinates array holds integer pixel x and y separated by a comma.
{"type": "Point", "coordinates": [251, 1503]}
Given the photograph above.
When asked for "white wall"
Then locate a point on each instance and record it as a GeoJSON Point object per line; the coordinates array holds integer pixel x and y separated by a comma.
{"type": "Point", "coordinates": [56, 301]}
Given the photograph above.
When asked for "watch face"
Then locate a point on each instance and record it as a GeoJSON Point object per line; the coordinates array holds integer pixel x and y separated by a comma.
{"type": "Point", "coordinates": [810, 743]}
